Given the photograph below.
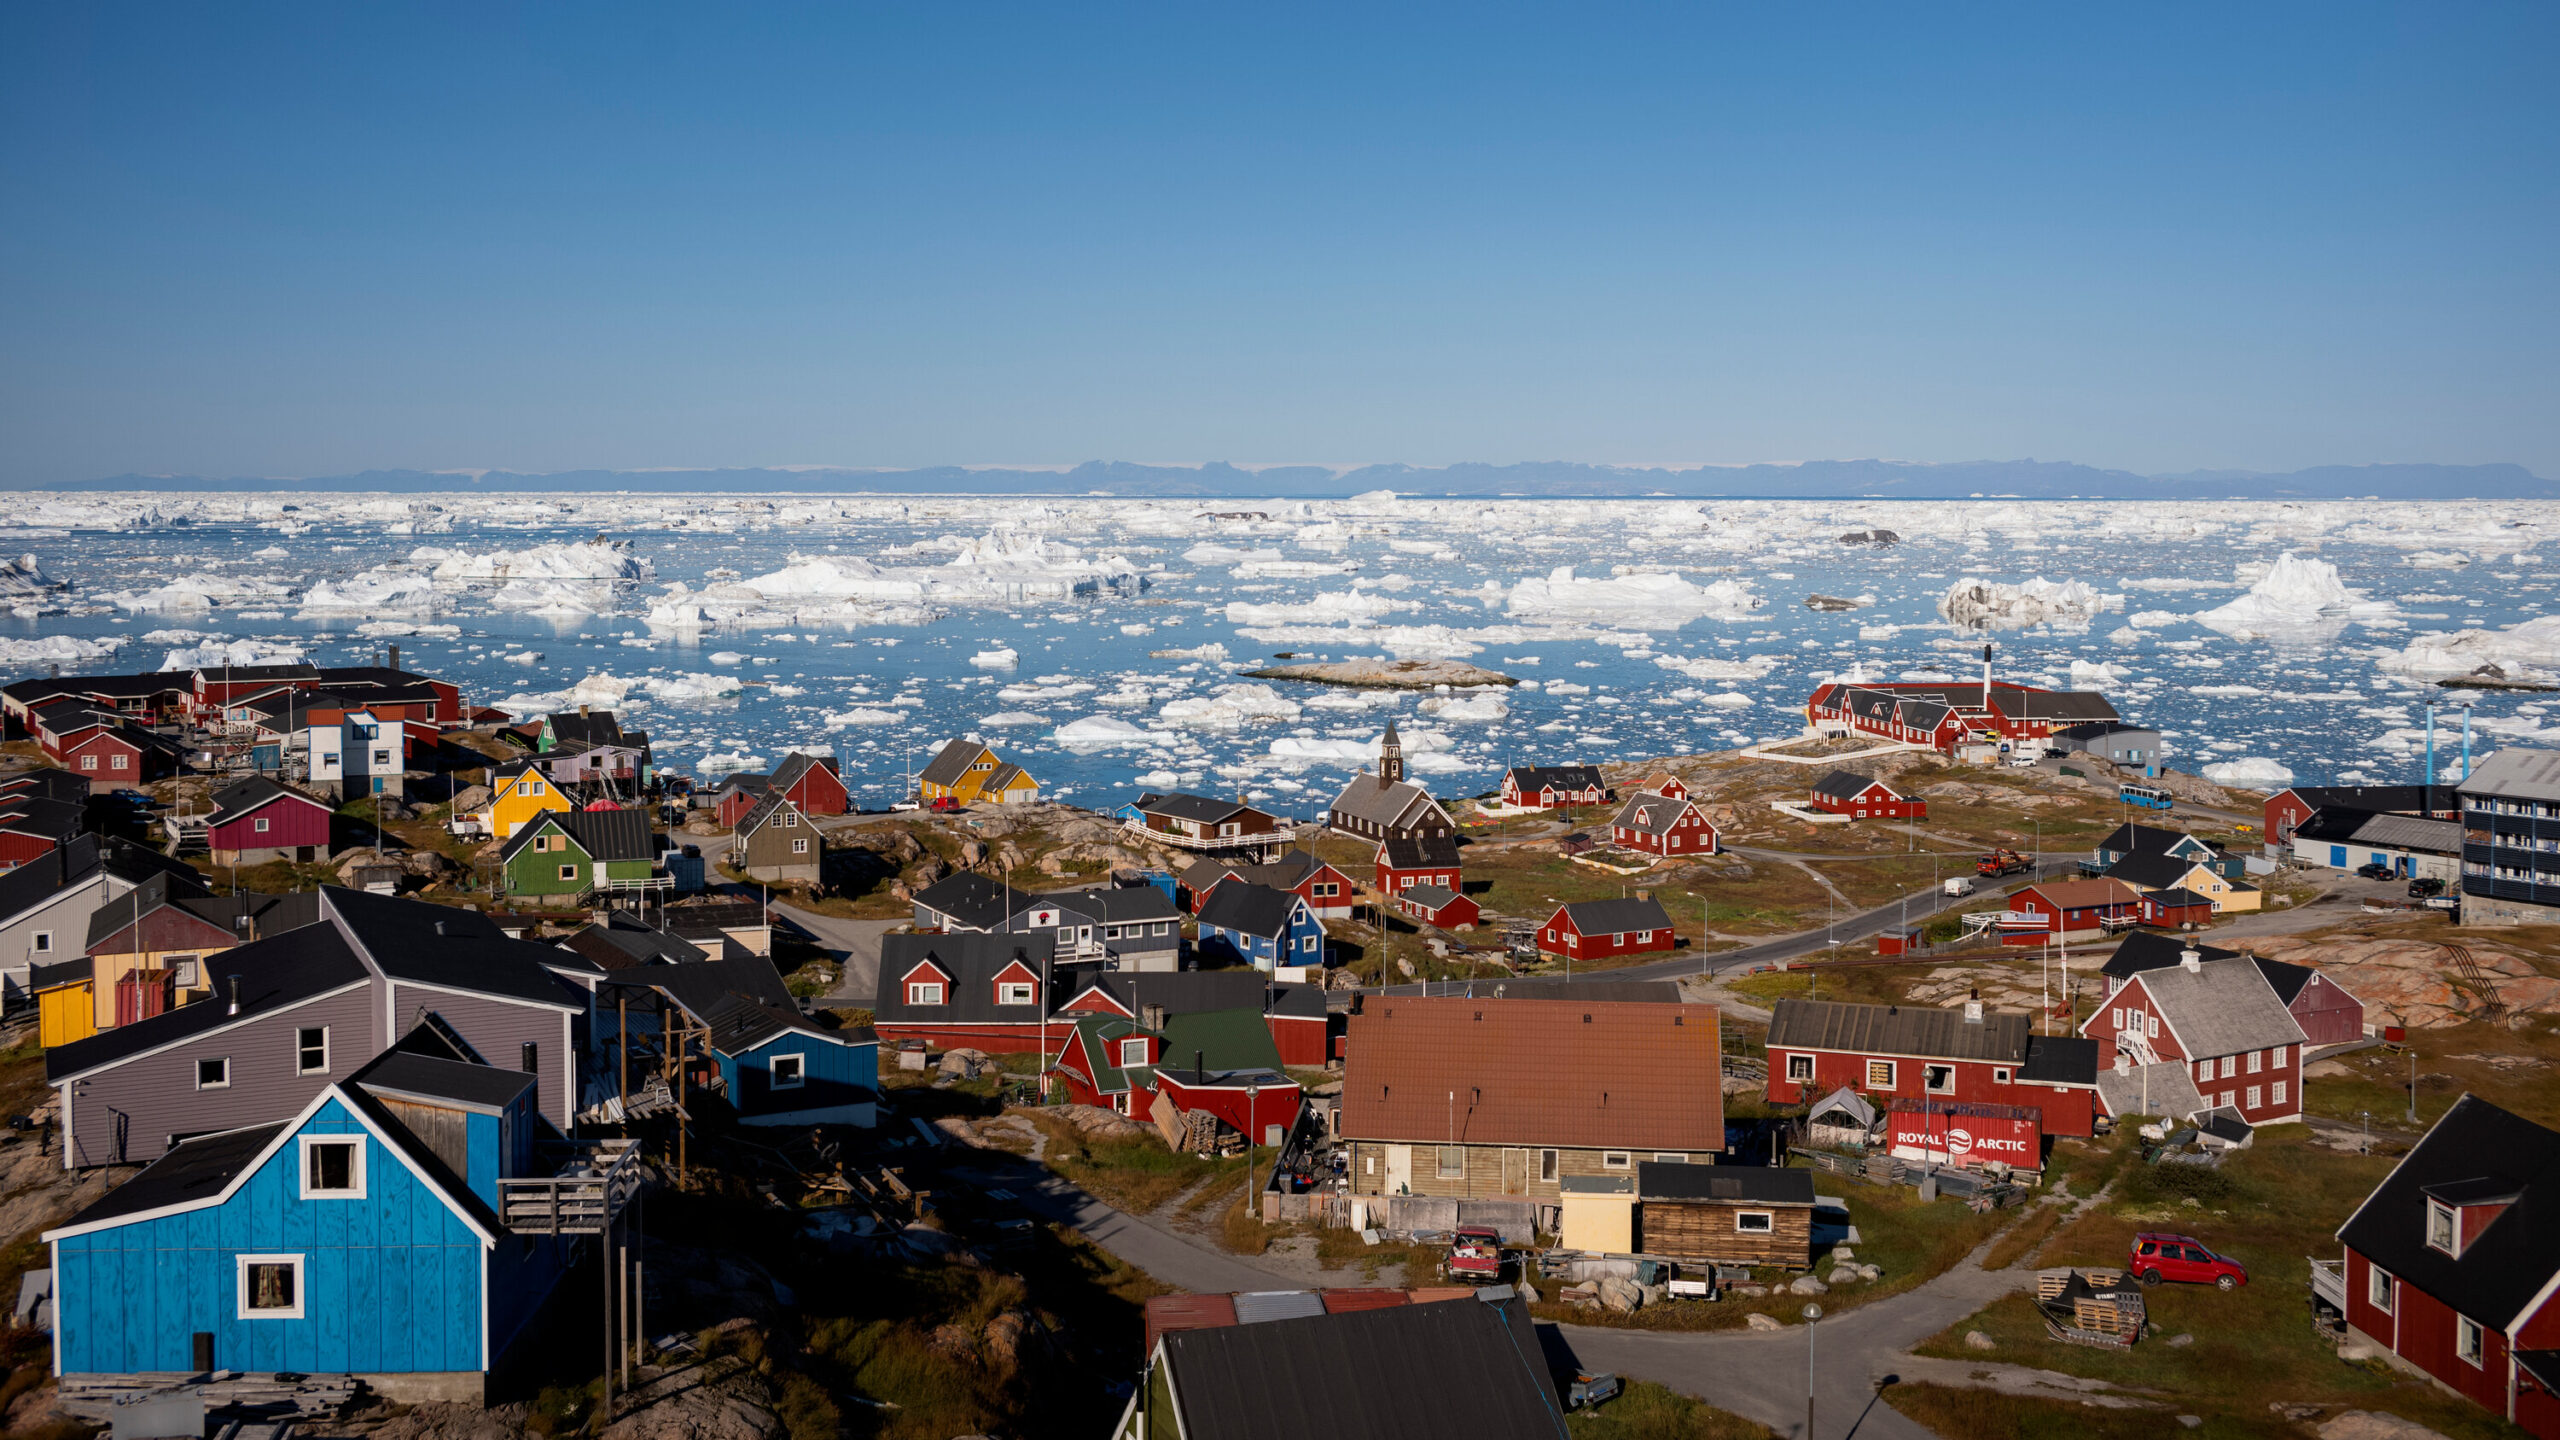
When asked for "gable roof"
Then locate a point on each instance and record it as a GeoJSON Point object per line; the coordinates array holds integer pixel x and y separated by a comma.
{"type": "Point", "coordinates": [48, 819]}
{"type": "Point", "coordinates": [2167, 1088]}
{"type": "Point", "coordinates": [1182, 991]}
{"type": "Point", "coordinates": [972, 959]}
{"type": "Point", "coordinates": [1249, 909]}
{"type": "Point", "coordinates": [257, 791]}
{"type": "Point", "coordinates": [194, 1171]}
{"type": "Point", "coordinates": [2221, 1008]}
{"type": "Point", "coordinates": [1744, 1184]}
{"type": "Point", "coordinates": [950, 765]}
{"type": "Point", "coordinates": [1452, 1370]}
{"type": "Point", "coordinates": [154, 894]}
{"type": "Point", "coordinates": [1201, 809]}
{"type": "Point", "coordinates": [1114, 904]}
{"type": "Point", "coordinates": [1377, 802]}
{"type": "Point", "coordinates": [2502, 1269]}
{"type": "Point", "coordinates": [410, 1074]}
{"type": "Point", "coordinates": [415, 943]}
{"type": "Point", "coordinates": [573, 731]}
{"type": "Point", "coordinates": [763, 812]}
{"type": "Point", "coordinates": [1533, 778]}
{"type": "Point", "coordinates": [1419, 852]}
{"type": "Point", "coordinates": [2149, 950]}
{"type": "Point", "coordinates": [1923, 1031]}
{"type": "Point", "coordinates": [2060, 1060]}
{"type": "Point", "coordinates": [620, 941]}
{"type": "Point", "coordinates": [1201, 1046]}
{"type": "Point", "coordinates": [1543, 1072]}
{"type": "Point", "coordinates": [49, 783]}
{"type": "Point", "coordinates": [2151, 870]}
{"type": "Point", "coordinates": [750, 782]}
{"type": "Point", "coordinates": [2151, 840]}
{"type": "Point", "coordinates": [972, 899]}
{"type": "Point", "coordinates": [1849, 785]}
{"type": "Point", "coordinates": [82, 858]}
{"type": "Point", "coordinates": [1616, 917]}
{"type": "Point", "coordinates": [1100, 1037]}
{"type": "Point", "coordinates": [2084, 894]}
{"type": "Point", "coordinates": [1429, 897]}
{"type": "Point", "coordinates": [1651, 813]}
{"type": "Point", "coordinates": [273, 974]}
{"type": "Point", "coordinates": [796, 765]}
{"type": "Point", "coordinates": [1002, 777]}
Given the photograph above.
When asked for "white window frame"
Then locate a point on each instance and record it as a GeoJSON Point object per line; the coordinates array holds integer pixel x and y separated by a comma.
{"type": "Point", "coordinates": [298, 1047]}
{"type": "Point", "coordinates": [1440, 1168]}
{"type": "Point", "coordinates": [2204, 1069]}
{"type": "Point", "coordinates": [355, 1167]}
{"type": "Point", "coordinates": [301, 1290]}
{"type": "Point", "coordinates": [2000, 1074]}
{"type": "Point", "coordinates": [800, 845]}
{"type": "Point", "coordinates": [1799, 1067]}
{"type": "Point", "coordinates": [2276, 1093]}
{"type": "Point", "coordinates": [1616, 1160]}
{"type": "Point", "coordinates": [1929, 1082]}
{"type": "Point", "coordinates": [799, 1062]}
{"type": "Point", "coordinates": [260, 825]}
{"type": "Point", "coordinates": [2470, 1340]}
{"type": "Point", "coordinates": [924, 992]}
{"type": "Point", "coordinates": [222, 1084]}
{"type": "Point", "coordinates": [1891, 1070]}
{"type": "Point", "coordinates": [2254, 1101]}
{"type": "Point", "coordinates": [1550, 1166]}
{"type": "Point", "coordinates": [2257, 1061]}
{"type": "Point", "coordinates": [43, 942]}
{"type": "Point", "coordinates": [2441, 1214]}
{"type": "Point", "coordinates": [1127, 1059]}
{"type": "Point", "coordinates": [1670, 1157]}
{"type": "Point", "coordinates": [1017, 992]}
{"type": "Point", "coordinates": [1755, 1222]}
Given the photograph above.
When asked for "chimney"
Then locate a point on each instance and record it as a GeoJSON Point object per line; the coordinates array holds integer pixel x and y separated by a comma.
{"type": "Point", "coordinates": [1199, 1064]}
{"type": "Point", "coordinates": [582, 709]}
{"type": "Point", "coordinates": [1644, 894]}
{"type": "Point", "coordinates": [1986, 677]}
{"type": "Point", "coordinates": [235, 995]}
{"type": "Point", "coordinates": [395, 658]}
{"type": "Point", "coordinates": [1151, 1016]}
{"type": "Point", "coordinates": [1973, 1008]}
{"type": "Point", "coordinates": [2190, 960]}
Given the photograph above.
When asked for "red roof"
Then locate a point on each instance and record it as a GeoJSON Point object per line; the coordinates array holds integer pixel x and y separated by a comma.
{"type": "Point", "coordinates": [1590, 1074]}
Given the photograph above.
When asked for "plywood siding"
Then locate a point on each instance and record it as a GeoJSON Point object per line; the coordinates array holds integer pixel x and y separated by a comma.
{"type": "Point", "coordinates": [499, 1030]}
{"type": "Point", "coordinates": [1484, 1177]}
{"type": "Point", "coordinates": [127, 1114]}
{"type": "Point", "coordinates": [1704, 1230]}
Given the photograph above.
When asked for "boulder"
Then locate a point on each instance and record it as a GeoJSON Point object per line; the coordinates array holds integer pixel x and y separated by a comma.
{"type": "Point", "coordinates": [927, 871]}
{"type": "Point", "coordinates": [471, 798]}
{"type": "Point", "coordinates": [724, 1400]}
{"type": "Point", "coordinates": [973, 852]}
{"type": "Point", "coordinates": [1758, 1321]}
{"type": "Point", "coordinates": [2374, 1425]}
{"type": "Point", "coordinates": [1013, 1338]}
{"type": "Point", "coordinates": [1807, 1285]}
{"type": "Point", "coordinates": [1843, 1254]}
{"type": "Point", "coordinates": [1620, 1296]}
{"type": "Point", "coordinates": [2181, 1341]}
{"type": "Point", "coordinates": [1976, 1340]}
{"type": "Point", "coordinates": [1842, 1275]}
{"type": "Point", "coordinates": [954, 1343]}
{"type": "Point", "coordinates": [1870, 1273]}
{"type": "Point", "coordinates": [965, 1064]}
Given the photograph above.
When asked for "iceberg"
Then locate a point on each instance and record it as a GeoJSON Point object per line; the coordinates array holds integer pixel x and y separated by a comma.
{"type": "Point", "coordinates": [862, 715]}
{"type": "Point", "coordinates": [1004, 659]}
{"type": "Point", "coordinates": [597, 559]}
{"type": "Point", "coordinates": [373, 592]}
{"type": "Point", "coordinates": [1103, 732]}
{"type": "Point", "coordinates": [1230, 707]}
{"type": "Point", "coordinates": [1479, 708]}
{"type": "Point", "coordinates": [1638, 600]}
{"type": "Point", "coordinates": [21, 578]}
{"type": "Point", "coordinates": [2255, 772]}
{"type": "Point", "coordinates": [991, 569]}
{"type": "Point", "coordinates": [2527, 652]}
{"type": "Point", "coordinates": [231, 652]}
{"type": "Point", "coordinates": [1328, 607]}
{"type": "Point", "coordinates": [59, 650]}
{"type": "Point", "coordinates": [1987, 604]}
{"type": "Point", "coordinates": [194, 593]}
{"type": "Point", "coordinates": [2294, 595]}
{"type": "Point", "coordinates": [553, 597]}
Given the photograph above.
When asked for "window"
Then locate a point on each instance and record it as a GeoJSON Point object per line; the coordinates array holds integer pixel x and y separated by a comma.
{"type": "Point", "coordinates": [2467, 1339]}
{"type": "Point", "coordinates": [1328, 888]}
{"type": "Point", "coordinates": [1939, 1078]}
{"type": "Point", "coordinates": [1670, 1157]}
{"type": "Point", "coordinates": [120, 762]}
{"type": "Point", "coordinates": [270, 1287]}
{"type": "Point", "coordinates": [1999, 1074]}
{"type": "Point", "coordinates": [261, 825]}
{"type": "Point", "coordinates": [568, 872]}
{"type": "Point", "coordinates": [1549, 1166]}
{"type": "Point", "coordinates": [2256, 1059]}
{"type": "Point", "coordinates": [1133, 1052]}
{"type": "Point", "coordinates": [44, 942]}
{"type": "Point", "coordinates": [1800, 1067]}
{"type": "Point", "coordinates": [2275, 1093]}
{"type": "Point", "coordinates": [311, 1050]}
{"type": "Point", "coordinates": [2254, 1100]}
{"type": "Point", "coordinates": [924, 992]}
{"type": "Point", "coordinates": [88, 762]}
{"type": "Point", "coordinates": [1615, 1160]}
{"type": "Point", "coordinates": [2151, 1027]}
{"type": "Point", "coordinates": [2278, 1062]}
{"type": "Point", "coordinates": [2204, 1069]}
{"type": "Point", "coordinates": [1308, 944]}
{"type": "Point", "coordinates": [2440, 1228]}
{"type": "Point", "coordinates": [1014, 992]}
{"type": "Point", "coordinates": [2230, 1066]}
{"type": "Point", "coordinates": [1879, 1074]}
{"type": "Point", "coordinates": [1164, 927]}
{"type": "Point", "coordinates": [185, 971]}
{"type": "Point", "coordinates": [1452, 1162]}
{"type": "Point", "coordinates": [790, 1072]}
{"type": "Point", "coordinates": [1067, 932]}
{"type": "Point", "coordinates": [332, 1167]}
{"type": "Point", "coordinates": [1754, 1222]}
{"type": "Point", "coordinates": [214, 1074]}
{"type": "Point", "coordinates": [800, 846]}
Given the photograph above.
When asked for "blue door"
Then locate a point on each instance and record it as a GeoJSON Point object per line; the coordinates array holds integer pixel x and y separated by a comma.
{"type": "Point", "coordinates": [2338, 857]}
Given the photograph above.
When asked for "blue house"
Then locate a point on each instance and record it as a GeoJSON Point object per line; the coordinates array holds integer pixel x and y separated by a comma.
{"type": "Point", "coordinates": [777, 1066]}
{"type": "Point", "coordinates": [366, 1236]}
{"type": "Point", "coordinates": [1243, 923]}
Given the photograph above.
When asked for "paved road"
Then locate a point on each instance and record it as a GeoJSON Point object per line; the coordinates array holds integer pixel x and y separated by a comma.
{"type": "Point", "coordinates": [1168, 1257]}
{"type": "Point", "coordinates": [855, 944]}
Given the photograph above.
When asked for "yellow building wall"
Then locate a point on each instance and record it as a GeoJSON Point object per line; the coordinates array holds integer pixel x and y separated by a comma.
{"type": "Point", "coordinates": [508, 809]}
{"type": "Point", "coordinates": [64, 1014]}
{"type": "Point", "coordinates": [1605, 1224]}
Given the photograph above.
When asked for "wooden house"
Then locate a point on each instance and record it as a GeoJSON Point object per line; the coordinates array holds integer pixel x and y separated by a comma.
{"type": "Point", "coordinates": [813, 783]}
{"type": "Point", "coordinates": [1601, 929]}
{"type": "Point", "coordinates": [968, 772]}
{"type": "Point", "coordinates": [519, 792]}
{"type": "Point", "coordinates": [146, 699]}
{"type": "Point", "coordinates": [1166, 1068]}
{"type": "Point", "coordinates": [297, 1011]}
{"type": "Point", "coordinates": [1247, 924]}
{"type": "Point", "coordinates": [1206, 823]}
{"type": "Point", "coordinates": [362, 1231]}
{"type": "Point", "coordinates": [2286, 809]}
{"type": "Point", "coordinates": [980, 991]}
{"type": "Point", "coordinates": [33, 825]}
{"type": "Point", "coordinates": [46, 905]}
{"type": "Point", "coordinates": [2137, 839]}
{"type": "Point", "coordinates": [1326, 889]}
{"type": "Point", "coordinates": [777, 844]}
{"type": "Point", "coordinates": [776, 1066]}
{"type": "Point", "coordinates": [1662, 825]}
{"type": "Point", "coordinates": [166, 925]}
{"type": "Point", "coordinates": [579, 729]}
{"type": "Point", "coordinates": [1862, 798]}
{"type": "Point", "coordinates": [1944, 714]}
{"type": "Point", "coordinates": [1663, 782]}
{"type": "Point", "coordinates": [1301, 1025]}
{"type": "Point", "coordinates": [1131, 927]}
{"type": "Point", "coordinates": [2175, 910]}
{"type": "Point", "coordinates": [2149, 872]}
{"type": "Point", "coordinates": [562, 857]}
{"type": "Point", "coordinates": [1405, 861]}
{"type": "Point", "coordinates": [2072, 909]}
{"type": "Point", "coordinates": [1440, 906]}
{"type": "Point", "coordinates": [211, 688]}
{"type": "Point", "coordinates": [1727, 1214]}
{"type": "Point", "coordinates": [258, 819]}
{"type": "Point", "coordinates": [1542, 1089]}
{"type": "Point", "coordinates": [1553, 787]}
{"type": "Point", "coordinates": [2328, 1012]}
{"type": "Point", "coordinates": [2222, 1019]}
{"type": "Point", "coordinates": [118, 757]}
{"type": "Point", "coordinates": [737, 794]}
{"type": "Point", "coordinates": [1386, 805]}
{"type": "Point", "coordinates": [2450, 1270]}
{"type": "Point", "coordinates": [2409, 846]}
{"type": "Point", "coordinates": [1968, 1053]}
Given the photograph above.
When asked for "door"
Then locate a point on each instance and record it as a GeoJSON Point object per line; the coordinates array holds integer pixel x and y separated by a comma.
{"type": "Point", "coordinates": [1399, 1170]}
{"type": "Point", "coordinates": [1515, 1172]}
{"type": "Point", "coordinates": [2337, 857]}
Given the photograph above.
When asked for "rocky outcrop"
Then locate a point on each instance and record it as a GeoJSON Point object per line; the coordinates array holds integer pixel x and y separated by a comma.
{"type": "Point", "coordinates": [2415, 982]}
{"type": "Point", "coordinates": [1387, 674]}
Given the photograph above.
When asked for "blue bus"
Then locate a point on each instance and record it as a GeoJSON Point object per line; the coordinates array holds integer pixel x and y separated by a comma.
{"type": "Point", "coordinates": [2147, 797]}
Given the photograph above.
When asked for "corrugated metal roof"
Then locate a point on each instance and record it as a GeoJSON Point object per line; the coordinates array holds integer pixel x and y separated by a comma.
{"type": "Point", "coordinates": [1254, 1307]}
{"type": "Point", "coordinates": [1544, 1072]}
{"type": "Point", "coordinates": [2408, 832]}
{"type": "Point", "coordinates": [1916, 1030]}
{"type": "Point", "coordinates": [2517, 774]}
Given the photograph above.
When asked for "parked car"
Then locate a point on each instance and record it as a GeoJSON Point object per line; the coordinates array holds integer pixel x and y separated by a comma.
{"type": "Point", "coordinates": [1475, 1256]}
{"type": "Point", "coordinates": [1958, 886]}
{"type": "Point", "coordinates": [945, 805]}
{"type": "Point", "coordinates": [2424, 886]}
{"type": "Point", "coordinates": [896, 805]}
{"type": "Point", "coordinates": [2375, 870]}
{"type": "Point", "coordinates": [2184, 1260]}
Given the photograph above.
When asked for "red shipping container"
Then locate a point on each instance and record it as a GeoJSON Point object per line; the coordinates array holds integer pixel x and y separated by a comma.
{"type": "Point", "coordinates": [1968, 1134]}
{"type": "Point", "coordinates": [142, 994]}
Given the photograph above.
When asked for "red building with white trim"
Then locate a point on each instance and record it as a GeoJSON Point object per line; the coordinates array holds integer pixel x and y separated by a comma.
{"type": "Point", "coordinates": [1967, 1054]}
{"type": "Point", "coordinates": [1405, 861]}
{"type": "Point", "coordinates": [813, 783]}
{"type": "Point", "coordinates": [257, 820]}
{"type": "Point", "coordinates": [2073, 908]}
{"type": "Point", "coordinates": [1600, 929]}
{"type": "Point", "coordinates": [1553, 787]}
{"type": "Point", "coordinates": [2219, 1018]}
{"type": "Point", "coordinates": [1860, 798]}
{"type": "Point", "coordinates": [1663, 825]}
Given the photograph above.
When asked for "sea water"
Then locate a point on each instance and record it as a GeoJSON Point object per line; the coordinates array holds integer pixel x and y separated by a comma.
{"type": "Point", "coordinates": [1097, 640]}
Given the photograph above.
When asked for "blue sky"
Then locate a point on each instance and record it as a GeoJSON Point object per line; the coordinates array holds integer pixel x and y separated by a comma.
{"type": "Point", "coordinates": [246, 239]}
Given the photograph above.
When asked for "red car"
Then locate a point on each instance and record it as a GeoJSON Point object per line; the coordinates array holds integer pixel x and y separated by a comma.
{"type": "Point", "coordinates": [2183, 1258]}
{"type": "Point", "coordinates": [1475, 1256]}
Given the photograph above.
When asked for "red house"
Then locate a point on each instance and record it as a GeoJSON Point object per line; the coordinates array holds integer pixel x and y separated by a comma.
{"type": "Point", "coordinates": [2450, 1271]}
{"type": "Point", "coordinates": [813, 783]}
{"type": "Point", "coordinates": [2175, 910]}
{"type": "Point", "coordinates": [1438, 905]}
{"type": "Point", "coordinates": [970, 990]}
{"type": "Point", "coordinates": [737, 795]}
{"type": "Point", "coordinates": [1178, 1071]}
{"type": "Point", "coordinates": [2071, 908]}
{"type": "Point", "coordinates": [1598, 929]}
{"type": "Point", "coordinates": [2328, 1012]}
{"type": "Point", "coordinates": [1552, 787]}
{"type": "Point", "coordinates": [2221, 1019]}
{"type": "Point", "coordinates": [1663, 825]}
{"type": "Point", "coordinates": [1326, 889]}
{"type": "Point", "coordinates": [257, 820]}
{"type": "Point", "coordinates": [1663, 782]}
{"type": "Point", "coordinates": [1300, 1025]}
{"type": "Point", "coordinates": [1859, 798]}
{"type": "Point", "coordinates": [1967, 1055]}
{"type": "Point", "coordinates": [1405, 861]}
{"type": "Point", "coordinates": [1943, 714]}
{"type": "Point", "coordinates": [2288, 808]}
{"type": "Point", "coordinates": [118, 757]}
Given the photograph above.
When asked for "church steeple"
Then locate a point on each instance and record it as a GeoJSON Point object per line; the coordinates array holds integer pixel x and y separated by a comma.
{"type": "Point", "coordinates": [1390, 757]}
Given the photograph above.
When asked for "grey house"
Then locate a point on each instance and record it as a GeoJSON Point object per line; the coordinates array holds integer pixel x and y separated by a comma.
{"type": "Point", "coordinates": [776, 843]}
{"type": "Point", "coordinates": [1131, 927]}
{"type": "Point", "coordinates": [46, 904]}
{"type": "Point", "coordinates": [2136, 747]}
{"type": "Point", "coordinates": [294, 1013]}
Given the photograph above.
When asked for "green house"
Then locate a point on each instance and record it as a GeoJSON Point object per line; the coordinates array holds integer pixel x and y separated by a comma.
{"type": "Point", "coordinates": [560, 856]}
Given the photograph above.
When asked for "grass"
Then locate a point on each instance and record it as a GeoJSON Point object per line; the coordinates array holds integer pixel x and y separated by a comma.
{"type": "Point", "coordinates": [1136, 1174]}
{"type": "Point", "coordinates": [1646, 1411]}
{"type": "Point", "coordinates": [1991, 1415]}
{"type": "Point", "coordinates": [2018, 1240]}
{"type": "Point", "coordinates": [2450, 1061]}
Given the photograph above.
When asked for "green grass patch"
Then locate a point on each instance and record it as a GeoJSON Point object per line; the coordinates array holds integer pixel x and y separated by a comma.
{"type": "Point", "coordinates": [1646, 1411]}
{"type": "Point", "coordinates": [1135, 1175]}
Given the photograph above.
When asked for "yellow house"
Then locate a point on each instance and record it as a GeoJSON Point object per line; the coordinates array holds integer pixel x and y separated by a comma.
{"type": "Point", "coordinates": [967, 772]}
{"type": "Point", "coordinates": [518, 792]}
{"type": "Point", "coordinates": [2155, 873]}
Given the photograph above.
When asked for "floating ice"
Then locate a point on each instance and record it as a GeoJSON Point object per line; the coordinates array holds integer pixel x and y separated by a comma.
{"type": "Point", "coordinates": [2439, 560]}
{"type": "Point", "coordinates": [232, 652]}
{"type": "Point", "coordinates": [394, 629]}
{"type": "Point", "coordinates": [201, 592]}
{"type": "Point", "coordinates": [1994, 604]}
{"type": "Point", "coordinates": [1103, 732]}
{"type": "Point", "coordinates": [1327, 607]}
{"type": "Point", "coordinates": [2295, 594]}
{"type": "Point", "coordinates": [718, 764]}
{"type": "Point", "coordinates": [862, 715]}
{"type": "Point", "coordinates": [1211, 651]}
{"type": "Point", "coordinates": [1008, 718]}
{"type": "Point", "coordinates": [1004, 659]}
{"type": "Point", "coordinates": [22, 577]}
{"type": "Point", "coordinates": [725, 657]}
{"type": "Point", "coordinates": [1638, 600]}
{"type": "Point", "coordinates": [1711, 667]}
{"type": "Point", "coordinates": [1462, 709]}
{"type": "Point", "coordinates": [2157, 619]}
{"type": "Point", "coordinates": [58, 650]}
{"type": "Point", "coordinates": [1231, 706]}
{"type": "Point", "coordinates": [991, 569]}
{"type": "Point", "coordinates": [2529, 652]}
{"type": "Point", "coordinates": [373, 592]}
{"type": "Point", "coordinates": [2256, 772]}
{"type": "Point", "coordinates": [597, 559]}
{"type": "Point", "coordinates": [525, 657]}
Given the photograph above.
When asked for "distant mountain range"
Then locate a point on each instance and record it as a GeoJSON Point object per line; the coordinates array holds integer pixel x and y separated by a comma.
{"type": "Point", "coordinates": [1815, 479]}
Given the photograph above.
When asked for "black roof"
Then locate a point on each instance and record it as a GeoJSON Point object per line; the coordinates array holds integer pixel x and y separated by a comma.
{"type": "Point", "coordinates": [241, 796]}
{"type": "Point", "coordinates": [38, 814]}
{"type": "Point", "coordinates": [1115, 904]}
{"type": "Point", "coordinates": [194, 1169]}
{"type": "Point", "coordinates": [705, 987]}
{"type": "Point", "coordinates": [603, 834]}
{"type": "Point", "coordinates": [439, 945]}
{"type": "Point", "coordinates": [701, 922]}
{"type": "Point", "coordinates": [797, 764]}
{"type": "Point", "coordinates": [621, 940]}
{"type": "Point", "coordinates": [2150, 950]}
{"type": "Point", "coordinates": [1617, 917]}
{"type": "Point", "coordinates": [64, 972]}
{"type": "Point", "coordinates": [972, 899]}
{"type": "Point", "coordinates": [1208, 810]}
{"type": "Point", "coordinates": [137, 687]}
{"type": "Point", "coordinates": [1248, 909]}
{"type": "Point", "coordinates": [2378, 799]}
{"type": "Point", "coordinates": [1449, 1370]}
{"type": "Point", "coordinates": [2135, 839]}
{"type": "Point", "coordinates": [1419, 852]}
{"type": "Point", "coordinates": [382, 676]}
{"type": "Point", "coordinates": [78, 860]}
{"type": "Point", "coordinates": [753, 782]}
{"type": "Point", "coordinates": [1181, 992]}
{"type": "Point", "coordinates": [2060, 1060]}
{"type": "Point", "coordinates": [2507, 1264]}
{"type": "Point", "coordinates": [774, 803]}
{"type": "Point", "coordinates": [2151, 870]}
{"type": "Point", "coordinates": [1920, 1030]}
{"type": "Point", "coordinates": [2285, 979]}
{"type": "Point", "coordinates": [49, 783]}
{"type": "Point", "coordinates": [2101, 729]}
{"type": "Point", "coordinates": [289, 670]}
{"type": "Point", "coordinates": [273, 973]}
{"type": "Point", "coordinates": [573, 731]}
{"type": "Point", "coordinates": [1750, 1184]}
{"type": "Point", "coordinates": [414, 1147]}
{"type": "Point", "coordinates": [1844, 784]}
{"type": "Point", "coordinates": [1533, 778]}
{"type": "Point", "coordinates": [427, 1077]}
{"type": "Point", "coordinates": [972, 959]}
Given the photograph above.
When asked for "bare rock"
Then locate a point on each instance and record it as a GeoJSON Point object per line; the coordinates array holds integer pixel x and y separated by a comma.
{"type": "Point", "coordinates": [927, 871]}
{"type": "Point", "coordinates": [441, 1420]}
{"type": "Point", "coordinates": [471, 798]}
{"type": "Point", "coordinates": [973, 852]}
{"type": "Point", "coordinates": [954, 1343]}
{"type": "Point", "coordinates": [961, 1063]}
{"type": "Point", "coordinates": [1013, 1338]}
{"type": "Point", "coordinates": [1620, 1296]}
{"type": "Point", "coordinates": [1096, 1123]}
{"type": "Point", "coordinates": [1976, 1340]}
{"type": "Point", "coordinates": [2413, 981]}
{"type": "Point", "coordinates": [2375, 1425]}
{"type": "Point", "coordinates": [1807, 1285]}
{"type": "Point", "coordinates": [1758, 1321]}
{"type": "Point", "coordinates": [723, 1400]}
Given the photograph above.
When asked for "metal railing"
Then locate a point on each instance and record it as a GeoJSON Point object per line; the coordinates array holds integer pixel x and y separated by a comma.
{"type": "Point", "coordinates": [591, 1187]}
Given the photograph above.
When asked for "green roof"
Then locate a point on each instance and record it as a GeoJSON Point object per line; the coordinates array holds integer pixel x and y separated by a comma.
{"type": "Point", "coordinates": [1237, 1039]}
{"type": "Point", "coordinates": [1101, 1036]}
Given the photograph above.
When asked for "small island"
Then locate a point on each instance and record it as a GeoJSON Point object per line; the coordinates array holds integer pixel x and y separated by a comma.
{"type": "Point", "coordinates": [1386, 674]}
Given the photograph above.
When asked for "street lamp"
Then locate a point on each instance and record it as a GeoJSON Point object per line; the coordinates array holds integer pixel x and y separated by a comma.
{"type": "Point", "coordinates": [1811, 1314]}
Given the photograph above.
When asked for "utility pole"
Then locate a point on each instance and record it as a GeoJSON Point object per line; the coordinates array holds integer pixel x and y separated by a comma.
{"type": "Point", "coordinates": [1812, 1313]}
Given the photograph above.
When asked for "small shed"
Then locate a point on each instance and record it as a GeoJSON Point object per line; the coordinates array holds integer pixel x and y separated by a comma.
{"type": "Point", "coordinates": [1898, 940]}
{"type": "Point", "coordinates": [1730, 1214]}
{"type": "Point", "coordinates": [1844, 1117]}
{"type": "Point", "coordinates": [1599, 1213]}
{"type": "Point", "coordinates": [1439, 905]}
{"type": "Point", "coordinates": [2176, 909]}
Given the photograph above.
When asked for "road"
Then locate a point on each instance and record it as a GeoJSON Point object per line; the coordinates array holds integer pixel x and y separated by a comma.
{"type": "Point", "coordinates": [855, 944]}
